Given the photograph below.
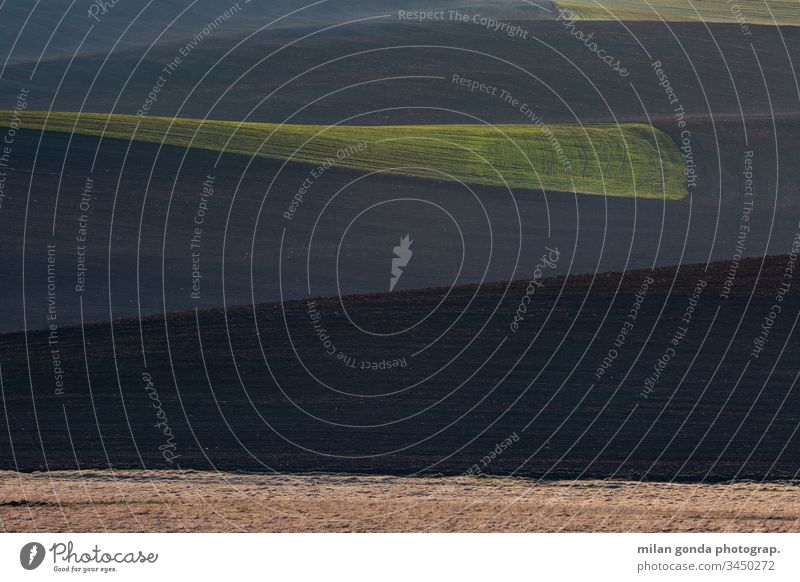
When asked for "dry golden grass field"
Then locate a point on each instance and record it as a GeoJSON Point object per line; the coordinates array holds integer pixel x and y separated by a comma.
{"type": "Point", "coordinates": [171, 501]}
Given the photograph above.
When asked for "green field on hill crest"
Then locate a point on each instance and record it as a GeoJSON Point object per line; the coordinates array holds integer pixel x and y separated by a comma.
{"type": "Point", "coordinates": [628, 160]}
{"type": "Point", "coordinates": [743, 13]}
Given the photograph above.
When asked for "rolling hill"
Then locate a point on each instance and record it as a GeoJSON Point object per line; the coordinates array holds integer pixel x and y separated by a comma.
{"type": "Point", "coordinates": [629, 160]}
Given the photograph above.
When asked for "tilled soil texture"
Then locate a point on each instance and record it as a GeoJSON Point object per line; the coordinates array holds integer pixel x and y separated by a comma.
{"type": "Point", "coordinates": [175, 501]}
{"type": "Point", "coordinates": [654, 376]}
{"type": "Point", "coordinates": [140, 252]}
{"type": "Point", "coordinates": [388, 71]}
{"type": "Point", "coordinates": [731, 100]}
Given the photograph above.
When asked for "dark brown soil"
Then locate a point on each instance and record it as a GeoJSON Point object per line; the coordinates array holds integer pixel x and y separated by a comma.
{"type": "Point", "coordinates": [717, 412]}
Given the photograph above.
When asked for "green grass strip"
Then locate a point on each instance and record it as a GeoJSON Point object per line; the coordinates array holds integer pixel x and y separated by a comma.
{"type": "Point", "coordinates": [742, 12]}
{"type": "Point", "coordinates": [614, 160]}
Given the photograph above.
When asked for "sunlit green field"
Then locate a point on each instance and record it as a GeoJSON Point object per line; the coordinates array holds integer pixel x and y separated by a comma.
{"type": "Point", "coordinates": [769, 12]}
{"type": "Point", "coordinates": [613, 160]}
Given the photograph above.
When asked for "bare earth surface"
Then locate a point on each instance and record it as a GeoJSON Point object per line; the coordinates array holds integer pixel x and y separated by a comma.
{"type": "Point", "coordinates": [167, 501]}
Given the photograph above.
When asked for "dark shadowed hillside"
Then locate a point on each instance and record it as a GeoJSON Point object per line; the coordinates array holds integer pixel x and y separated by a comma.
{"type": "Point", "coordinates": [695, 389]}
